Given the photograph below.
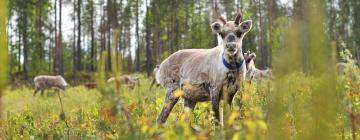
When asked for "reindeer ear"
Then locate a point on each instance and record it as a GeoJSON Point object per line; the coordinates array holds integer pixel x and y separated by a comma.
{"type": "Point", "coordinates": [218, 25]}
{"type": "Point", "coordinates": [238, 18]}
{"type": "Point", "coordinates": [246, 26]}
{"type": "Point", "coordinates": [252, 56]}
{"type": "Point", "coordinates": [222, 19]}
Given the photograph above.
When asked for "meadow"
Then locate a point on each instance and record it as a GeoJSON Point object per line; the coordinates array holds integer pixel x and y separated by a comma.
{"type": "Point", "coordinates": [88, 114]}
{"type": "Point", "coordinates": [300, 41]}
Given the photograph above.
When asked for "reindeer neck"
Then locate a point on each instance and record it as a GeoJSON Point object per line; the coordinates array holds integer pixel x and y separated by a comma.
{"type": "Point", "coordinates": [233, 59]}
{"type": "Point", "coordinates": [233, 62]}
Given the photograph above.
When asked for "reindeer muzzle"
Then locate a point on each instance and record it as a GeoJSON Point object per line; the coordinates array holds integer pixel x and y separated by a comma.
{"type": "Point", "coordinates": [231, 48]}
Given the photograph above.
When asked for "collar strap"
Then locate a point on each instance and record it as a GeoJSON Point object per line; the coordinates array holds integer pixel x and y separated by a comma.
{"type": "Point", "coordinates": [230, 66]}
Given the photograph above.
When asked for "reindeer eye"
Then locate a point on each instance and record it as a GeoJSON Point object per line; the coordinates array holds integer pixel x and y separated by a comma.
{"type": "Point", "coordinates": [245, 27]}
{"type": "Point", "coordinates": [238, 33]}
{"type": "Point", "coordinates": [216, 26]}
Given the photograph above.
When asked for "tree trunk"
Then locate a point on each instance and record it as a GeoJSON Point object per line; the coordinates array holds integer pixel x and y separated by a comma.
{"type": "Point", "coordinates": [25, 51]}
{"type": "Point", "coordinates": [109, 19]}
{"type": "Point", "coordinates": [148, 49]}
{"type": "Point", "coordinates": [170, 22]}
{"type": "Point", "coordinates": [93, 49]}
{"type": "Point", "coordinates": [272, 14]}
{"type": "Point", "coordinates": [38, 24]}
{"type": "Point", "coordinates": [356, 29]}
{"type": "Point", "coordinates": [78, 50]}
{"type": "Point", "coordinates": [214, 15]}
{"type": "Point", "coordinates": [102, 28]}
{"type": "Point", "coordinates": [137, 37]}
{"type": "Point", "coordinates": [155, 37]}
{"type": "Point", "coordinates": [59, 62]}
{"type": "Point", "coordinates": [61, 48]}
{"type": "Point", "coordinates": [19, 49]}
{"type": "Point", "coordinates": [55, 36]}
{"type": "Point", "coordinates": [358, 55]}
{"type": "Point", "coordinates": [74, 43]}
{"type": "Point", "coordinates": [263, 51]}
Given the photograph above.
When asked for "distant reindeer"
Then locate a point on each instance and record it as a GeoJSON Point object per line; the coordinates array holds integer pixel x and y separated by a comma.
{"type": "Point", "coordinates": [43, 82]}
{"type": "Point", "coordinates": [254, 73]}
{"type": "Point", "coordinates": [90, 85]}
{"type": "Point", "coordinates": [127, 80]}
{"type": "Point", "coordinates": [206, 70]}
{"type": "Point", "coordinates": [341, 67]}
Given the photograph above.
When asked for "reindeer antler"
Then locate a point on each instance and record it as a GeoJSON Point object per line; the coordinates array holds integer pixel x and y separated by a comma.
{"type": "Point", "coordinates": [238, 18]}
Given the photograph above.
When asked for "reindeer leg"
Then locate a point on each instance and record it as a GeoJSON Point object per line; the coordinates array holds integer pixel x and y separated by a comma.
{"type": "Point", "coordinates": [36, 90]}
{"type": "Point", "coordinates": [232, 92]}
{"type": "Point", "coordinates": [42, 92]}
{"type": "Point", "coordinates": [189, 104]}
{"type": "Point", "coordinates": [169, 103]}
{"type": "Point", "coordinates": [215, 101]}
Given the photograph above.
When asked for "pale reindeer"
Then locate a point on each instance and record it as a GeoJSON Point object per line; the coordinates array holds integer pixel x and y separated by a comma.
{"type": "Point", "coordinates": [206, 70]}
{"type": "Point", "coordinates": [254, 73]}
{"type": "Point", "coordinates": [43, 82]}
{"type": "Point", "coordinates": [127, 80]}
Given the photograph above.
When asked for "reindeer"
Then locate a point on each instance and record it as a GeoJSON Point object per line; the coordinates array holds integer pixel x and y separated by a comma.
{"type": "Point", "coordinates": [43, 82]}
{"type": "Point", "coordinates": [127, 80]}
{"type": "Point", "coordinates": [254, 73]}
{"type": "Point", "coordinates": [206, 70]}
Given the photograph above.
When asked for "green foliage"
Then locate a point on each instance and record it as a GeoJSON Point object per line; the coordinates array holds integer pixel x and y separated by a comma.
{"type": "Point", "coordinates": [278, 33]}
{"type": "Point", "coordinates": [29, 30]}
{"type": "Point", "coordinates": [312, 110]}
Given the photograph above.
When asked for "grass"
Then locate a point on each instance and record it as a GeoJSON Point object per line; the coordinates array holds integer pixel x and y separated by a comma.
{"type": "Point", "coordinates": [295, 106]}
{"type": "Point", "coordinates": [90, 116]}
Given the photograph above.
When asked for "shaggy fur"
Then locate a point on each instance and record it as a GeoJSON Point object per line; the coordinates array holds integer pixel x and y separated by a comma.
{"type": "Point", "coordinates": [200, 73]}
{"type": "Point", "coordinates": [43, 82]}
{"type": "Point", "coordinates": [254, 73]}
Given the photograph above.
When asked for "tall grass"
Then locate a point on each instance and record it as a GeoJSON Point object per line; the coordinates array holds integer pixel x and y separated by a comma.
{"type": "Point", "coordinates": [310, 114]}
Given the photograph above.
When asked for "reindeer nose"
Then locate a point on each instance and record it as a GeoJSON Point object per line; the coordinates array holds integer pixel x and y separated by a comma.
{"type": "Point", "coordinates": [230, 47]}
{"type": "Point", "coordinates": [231, 38]}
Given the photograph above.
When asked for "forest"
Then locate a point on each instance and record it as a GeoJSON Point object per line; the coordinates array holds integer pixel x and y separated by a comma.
{"type": "Point", "coordinates": [97, 69]}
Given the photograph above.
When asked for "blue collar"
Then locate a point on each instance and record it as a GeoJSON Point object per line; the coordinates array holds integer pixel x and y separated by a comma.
{"type": "Point", "coordinates": [235, 66]}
